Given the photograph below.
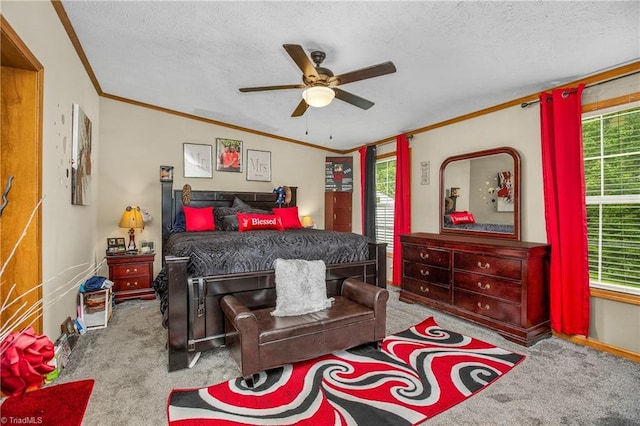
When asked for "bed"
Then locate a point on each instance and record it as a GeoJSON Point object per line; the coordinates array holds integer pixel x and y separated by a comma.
{"type": "Point", "coordinates": [199, 268]}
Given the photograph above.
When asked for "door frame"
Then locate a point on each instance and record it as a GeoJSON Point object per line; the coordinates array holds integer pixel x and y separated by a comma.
{"type": "Point", "coordinates": [26, 132]}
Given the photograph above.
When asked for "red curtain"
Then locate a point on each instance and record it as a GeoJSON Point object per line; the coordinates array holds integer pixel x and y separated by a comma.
{"type": "Point", "coordinates": [565, 211]}
{"type": "Point", "coordinates": [402, 208]}
{"type": "Point", "coordinates": [363, 174]}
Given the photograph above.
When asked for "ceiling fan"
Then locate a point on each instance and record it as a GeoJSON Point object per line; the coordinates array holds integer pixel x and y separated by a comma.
{"type": "Point", "coordinates": [321, 85]}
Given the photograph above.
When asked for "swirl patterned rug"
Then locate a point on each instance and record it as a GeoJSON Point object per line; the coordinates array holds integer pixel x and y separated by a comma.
{"type": "Point", "coordinates": [417, 374]}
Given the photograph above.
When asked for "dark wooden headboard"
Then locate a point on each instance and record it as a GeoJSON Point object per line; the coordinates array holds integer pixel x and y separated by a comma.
{"type": "Point", "coordinates": [172, 202]}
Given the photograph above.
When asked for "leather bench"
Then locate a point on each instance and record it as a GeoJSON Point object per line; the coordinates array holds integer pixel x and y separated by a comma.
{"type": "Point", "coordinates": [259, 341]}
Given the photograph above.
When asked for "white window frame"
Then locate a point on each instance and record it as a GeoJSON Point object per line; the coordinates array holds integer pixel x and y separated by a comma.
{"type": "Point", "coordinates": [383, 159]}
{"type": "Point", "coordinates": [615, 199]}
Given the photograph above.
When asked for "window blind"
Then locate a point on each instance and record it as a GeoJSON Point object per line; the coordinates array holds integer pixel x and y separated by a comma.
{"type": "Point", "coordinates": [385, 200]}
{"type": "Point", "coordinates": [611, 144]}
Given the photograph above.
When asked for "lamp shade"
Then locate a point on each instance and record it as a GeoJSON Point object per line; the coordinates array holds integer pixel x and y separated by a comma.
{"type": "Point", "coordinates": [307, 221]}
{"type": "Point", "coordinates": [132, 218]}
{"type": "Point", "coordinates": [318, 96]}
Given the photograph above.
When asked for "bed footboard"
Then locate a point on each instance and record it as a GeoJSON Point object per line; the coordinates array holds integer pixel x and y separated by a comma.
{"type": "Point", "coordinates": [195, 321]}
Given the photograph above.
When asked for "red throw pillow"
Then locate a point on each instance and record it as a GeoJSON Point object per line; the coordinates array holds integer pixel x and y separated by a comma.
{"type": "Point", "coordinates": [199, 218]}
{"type": "Point", "coordinates": [250, 222]}
{"type": "Point", "coordinates": [289, 216]}
{"type": "Point", "coordinates": [462, 217]}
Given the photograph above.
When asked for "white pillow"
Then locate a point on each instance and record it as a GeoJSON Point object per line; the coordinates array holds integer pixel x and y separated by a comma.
{"type": "Point", "coordinates": [300, 287]}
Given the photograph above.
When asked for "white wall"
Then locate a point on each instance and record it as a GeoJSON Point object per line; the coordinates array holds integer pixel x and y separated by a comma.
{"type": "Point", "coordinates": [136, 141]}
{"type": "Point", "coordinates": [513, 127]}
{"type": "Point", "coordinates": [68, 232]}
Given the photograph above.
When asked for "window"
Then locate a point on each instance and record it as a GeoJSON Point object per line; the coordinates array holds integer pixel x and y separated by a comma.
{"type": "Point", "coordinates": [612, 177]}
{"type": "Point", "coordinates": [385, 199]}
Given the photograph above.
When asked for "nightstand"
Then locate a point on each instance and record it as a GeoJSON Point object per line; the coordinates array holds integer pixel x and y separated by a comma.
{"type": "Point", "coordinates": [132, 275]}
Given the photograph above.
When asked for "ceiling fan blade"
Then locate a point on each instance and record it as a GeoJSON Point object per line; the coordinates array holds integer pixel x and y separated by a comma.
{"type": "Point", "coordinates": [300, 109]}
{"type": "Point", "coordinates": [361, 74]}
{"type": "Point", "coordinates": [301, 59]}
{"type": "Point", "coordinates": [260, 89]}
{"type": "Point", "coordinates": [353, 99]}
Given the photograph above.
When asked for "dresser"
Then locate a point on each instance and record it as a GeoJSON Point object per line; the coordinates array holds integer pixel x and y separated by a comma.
{"type": "Point", "coordinates": [498, 283]}
{"type": "Point", "coordinates": [337, 211]}
{"type": "Point", "coordinates": [132, 275]}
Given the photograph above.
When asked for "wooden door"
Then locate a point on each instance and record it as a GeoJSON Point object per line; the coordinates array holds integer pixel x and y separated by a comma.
{"type": "Point", "coordinates": [20, 160]}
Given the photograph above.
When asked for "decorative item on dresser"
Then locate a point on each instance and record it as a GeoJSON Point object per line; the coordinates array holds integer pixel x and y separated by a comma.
{"type": "Point", "coordinates": [132, 275]}
{"type": "Point", "coordinates": [337, 211]}
{"type": "Point", "coordinates": [499, 283]}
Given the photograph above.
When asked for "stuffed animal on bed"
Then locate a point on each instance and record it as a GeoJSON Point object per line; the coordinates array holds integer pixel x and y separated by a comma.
{"type": "Point", "coordinates": [281, 195]}
{"type": "Point", "coordinates": [284, 195]}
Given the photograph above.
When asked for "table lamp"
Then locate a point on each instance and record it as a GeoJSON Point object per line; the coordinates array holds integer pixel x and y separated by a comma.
{"type": "Point", "coordinates": [307, 221]}
{"type": "Point", "coordinates": [132, 219]}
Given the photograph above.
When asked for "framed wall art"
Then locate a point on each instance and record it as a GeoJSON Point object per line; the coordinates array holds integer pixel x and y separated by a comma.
{"type": "Point", "coordinates": [80, 157]}
{"type": "Point", "coordinates": [338, 172]}
{"type": "Point", "coordinates": [197, 160]}
{"type": "Point", "coordinates": [259, 165]}
{"type": "Point", "coordinates": [228, 155]}
{"type": "Point", "coordinates": [166, 173]}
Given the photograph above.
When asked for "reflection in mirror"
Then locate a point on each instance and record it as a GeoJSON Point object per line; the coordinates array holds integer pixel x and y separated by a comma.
{"type": "Point", "coordinates": [480, 194]}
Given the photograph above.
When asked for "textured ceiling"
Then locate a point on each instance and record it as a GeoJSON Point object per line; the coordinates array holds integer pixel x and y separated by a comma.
{"type": "Point", "coordinates": [452, 58]}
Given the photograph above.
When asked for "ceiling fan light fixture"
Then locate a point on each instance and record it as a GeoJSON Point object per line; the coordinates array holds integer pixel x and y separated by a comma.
{"type": "Point", "coordinates": [318, 96]}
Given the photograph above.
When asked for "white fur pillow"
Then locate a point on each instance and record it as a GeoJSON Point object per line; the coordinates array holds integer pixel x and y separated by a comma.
{"type": "Point", "coordinates": [300, 287]}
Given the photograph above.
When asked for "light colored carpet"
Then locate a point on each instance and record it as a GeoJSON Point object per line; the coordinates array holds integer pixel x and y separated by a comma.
{"type": "Point", "coordinates": [559, 383]}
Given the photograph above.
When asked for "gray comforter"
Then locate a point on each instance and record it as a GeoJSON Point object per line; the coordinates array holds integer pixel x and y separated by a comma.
{"type": "Point", "coordinates": [225, 252]}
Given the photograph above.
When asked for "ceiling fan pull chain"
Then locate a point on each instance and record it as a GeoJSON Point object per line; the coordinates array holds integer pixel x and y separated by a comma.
{"type": "Point", "coordinates": [330, 125]}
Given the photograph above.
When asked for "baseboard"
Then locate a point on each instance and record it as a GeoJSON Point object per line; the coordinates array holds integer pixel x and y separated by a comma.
{"type": "Point", "coordinates": [605, 347]}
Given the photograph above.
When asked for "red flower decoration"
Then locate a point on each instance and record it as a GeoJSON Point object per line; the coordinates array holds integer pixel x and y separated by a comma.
{"type": "Point", "coordinates": [23, 360]}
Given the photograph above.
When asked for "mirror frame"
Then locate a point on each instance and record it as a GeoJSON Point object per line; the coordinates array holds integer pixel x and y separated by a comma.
{"type": "Point", "coordinates": [515, 235]}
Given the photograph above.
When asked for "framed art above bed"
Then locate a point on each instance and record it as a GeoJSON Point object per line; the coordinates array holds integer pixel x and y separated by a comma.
{"type": "Point", "coordinates": [259, 165]}
{"type": "Point", "coordinates": [197, 160]}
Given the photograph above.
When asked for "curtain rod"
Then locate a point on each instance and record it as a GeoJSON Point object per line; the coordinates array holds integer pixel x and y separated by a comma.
{"type": "Point", "coordinates": [526, 104]}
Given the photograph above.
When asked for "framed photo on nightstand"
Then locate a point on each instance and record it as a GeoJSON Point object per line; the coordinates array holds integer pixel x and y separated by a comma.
{"type": "Point", "coordinates": [116, 246]}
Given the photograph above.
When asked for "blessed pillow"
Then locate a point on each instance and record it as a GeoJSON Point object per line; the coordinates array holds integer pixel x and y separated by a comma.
{"type": "Point", "coordinates": [301, 287]}
{"type": "Point", "coordinates": [462, 217]}
{"type": "Point", "coordinates": [199, 218]}
{"type": "Point", "coordinates": [289, 216]}
{"type": "Point", "coordinates": [252, 222]}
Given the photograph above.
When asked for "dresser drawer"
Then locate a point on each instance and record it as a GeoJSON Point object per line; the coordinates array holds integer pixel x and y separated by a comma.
{"type": "Point", "coordinates": [132, 283]}
{"type": "Point", "coordinates": [425, 289]}
{"type": "Point", "coordinates": [130, 270]}
{"type": "Point", "coordinates": [483, 264]}
{"type": "Point", "coordinates": [487, 306]}
{"type": "Point", "coordinates": [420, 271]}
{"type": "Point", "coordinates": [488, 286]}
{"type": "Point", "coordinates": [426, 255]}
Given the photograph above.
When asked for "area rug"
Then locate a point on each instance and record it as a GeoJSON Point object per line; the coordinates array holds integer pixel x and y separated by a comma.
{"type": "Point", "coordinates": [62, 405]}
{"type": "Point", "coordinates": [417, 374]}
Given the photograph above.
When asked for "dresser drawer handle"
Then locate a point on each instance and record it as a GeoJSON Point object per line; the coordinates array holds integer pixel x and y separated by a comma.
{"type": "Point", "coordinates": [135, 284]}
{"type": "Point", "coordinates": [484, 287]}
{"type": "Point", "coordinates": [424, 255]}
{"type": "Point", "coordinates": [424, 273]}
{"type": "Point", "coordinates": [485, 266]}
{"type": "Point", "coordinates": [485, 307]}
{"type": "Point", "coordinates": [424, 289]}
{"type": "Point", "coordinates": [134, 270]}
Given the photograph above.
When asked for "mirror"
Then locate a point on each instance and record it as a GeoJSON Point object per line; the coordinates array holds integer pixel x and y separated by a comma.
{"type": "Point", "coordinates": [480, 194]}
